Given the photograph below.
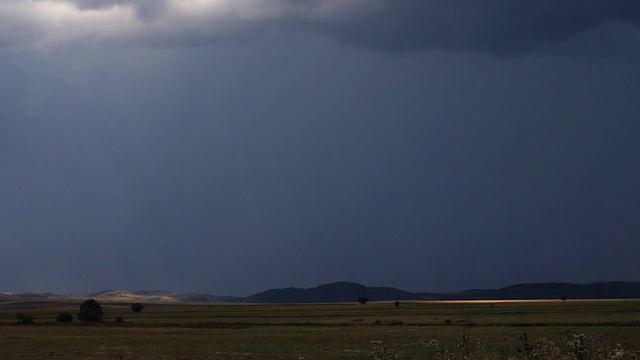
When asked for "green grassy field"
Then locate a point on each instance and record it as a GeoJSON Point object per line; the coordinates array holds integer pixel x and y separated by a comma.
{"type": "Point", "coordinates": [319, 331]}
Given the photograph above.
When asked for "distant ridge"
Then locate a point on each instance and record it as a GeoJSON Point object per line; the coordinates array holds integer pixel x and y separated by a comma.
{"type": "Point", "coordinates": [28, 296]}
{"type": "Point", "coordinates": [159, 296]}
{"type": "Point", "coordinates": [350, 292]}
{"type": "Point", "coordinates": [539, 291]}
{"type": "Point", "coordinates": [335, 292]}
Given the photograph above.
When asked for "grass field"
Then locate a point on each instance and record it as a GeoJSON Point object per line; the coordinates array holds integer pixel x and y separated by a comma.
{"type": "Point", "coordinates": [318, 331]}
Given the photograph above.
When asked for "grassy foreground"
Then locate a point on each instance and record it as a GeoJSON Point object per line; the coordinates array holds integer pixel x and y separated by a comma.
{"type": "Point", "coordinates": [327, 331]}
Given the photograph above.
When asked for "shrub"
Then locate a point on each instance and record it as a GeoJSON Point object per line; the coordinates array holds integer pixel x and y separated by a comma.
{"type": "Point", "coordinates": [397, 304]}
{"type": "Point", "coordinates": [363, 300]}
{"type": "Point", "coordinates": [381, 351]}
{"type": "Point", "coordinates": [24, 319]}
{"type": "Point", "coordinates": [119, 320]}
{"type": "Point", "coordinates": [64, 317]}
{"type": "Point", "coordinates": [137, 307]}
{"type": "Point", "coordinates": [90, 311]}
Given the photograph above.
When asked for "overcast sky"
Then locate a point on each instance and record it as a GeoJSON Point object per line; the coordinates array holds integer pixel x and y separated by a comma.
{"type": "Point", "coordinates": [232, 146]}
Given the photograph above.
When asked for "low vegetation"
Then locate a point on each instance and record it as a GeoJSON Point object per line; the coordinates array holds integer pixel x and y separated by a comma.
{"type": "Point", "coordinates": [24, 319]}
{"type": "Point", "coordinates": [64, 317]}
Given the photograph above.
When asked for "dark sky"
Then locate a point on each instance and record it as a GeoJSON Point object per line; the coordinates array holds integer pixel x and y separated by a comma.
{"type": "Point", "coordinates": [229, 147]}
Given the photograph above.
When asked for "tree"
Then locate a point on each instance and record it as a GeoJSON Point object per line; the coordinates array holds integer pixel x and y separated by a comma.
{"type": "Point", "coordinates": [563, 298]}
{"type": "Point", "coordinates": [137, 307]}
{"type": "Point", "coordinates": [90, 311]}
{"type": "Point", "coordinates": [396, 304]}
{"type": "Point", "coordinates": [64, 317]}
{"type": "Point", "coordinates": [363, 300]}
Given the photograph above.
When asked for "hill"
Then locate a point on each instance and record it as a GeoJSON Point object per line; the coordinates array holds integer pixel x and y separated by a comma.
{"type": "Point", "coordinates": [159, 296]}
{"type": "Point", "coordinates": [350, 292]}
{"type": "Point", "coordinates": [603, 290]}
{"type": "Point", "coordinates": [28, 296]}
{"type": "Point", "coordinates": [335, 292]}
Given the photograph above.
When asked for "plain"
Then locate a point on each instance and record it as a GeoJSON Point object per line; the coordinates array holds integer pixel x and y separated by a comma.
{"type": "Point", "coordinates": [485, 329]}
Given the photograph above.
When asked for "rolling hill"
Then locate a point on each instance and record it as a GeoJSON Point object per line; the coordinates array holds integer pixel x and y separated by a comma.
{"type": "Point", "coordinates": [335, 292]}
{"type": "Point", "coordinates": [538, 291]}
{"type": "Point", "coordinates": [350, 292]}
{"type": "Point", "coordinates": [159, 296]}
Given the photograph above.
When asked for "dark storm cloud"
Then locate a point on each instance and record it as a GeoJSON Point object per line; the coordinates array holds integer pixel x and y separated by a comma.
{"type": "Point", "coordinates": [145, 9]}
{"type": "Point", "coordinates": [498, 27]}
{"type": "Point", "coordinates": [494, 26]}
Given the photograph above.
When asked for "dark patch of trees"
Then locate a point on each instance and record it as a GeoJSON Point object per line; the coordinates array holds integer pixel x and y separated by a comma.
{"type": "Point", "coordinates": [363, 300]}
{"type": "Point", "coordinates": [24, 319]}
{"type": "Point", "coordinates": [64, 317]}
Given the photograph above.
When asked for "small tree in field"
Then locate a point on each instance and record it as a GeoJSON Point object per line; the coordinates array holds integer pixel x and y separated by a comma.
{"type": "Point", "coordinates": [137, 307]}
{"type": "Point", "coordinates": [363, 300]}
{"type": "Point", "coordinates": [90, 311]}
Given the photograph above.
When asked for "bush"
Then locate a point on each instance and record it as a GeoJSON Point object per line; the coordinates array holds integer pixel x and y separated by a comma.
{"type": "Point", "coordinates": [24, 319]}
{"type": "Point", "coordinates": [64, 317]}
{"type": "Point", "coordinates": [137, 307]}
{"type": "Point", "coordinates": [90, 311]}
{"type": "Point", "coordinates": [363, 300]}
{"type": "Point", "coordinates": [119, 320]}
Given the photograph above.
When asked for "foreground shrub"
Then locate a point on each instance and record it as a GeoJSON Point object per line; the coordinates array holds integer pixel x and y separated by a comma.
{"type": "Point", "coordinates": [569, 346]}
{"type": "Point", "coordinates": [380, 351]}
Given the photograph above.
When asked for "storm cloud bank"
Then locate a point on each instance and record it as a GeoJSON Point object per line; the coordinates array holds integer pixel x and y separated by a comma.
{"type": "Point", "coordinates": [498, 26]}
{"type": "Point", "coordinates": [233, 146]}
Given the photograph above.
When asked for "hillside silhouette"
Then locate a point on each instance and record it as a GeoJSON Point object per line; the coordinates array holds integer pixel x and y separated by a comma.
{"type": "Point", "coordinates": [350, 292]}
